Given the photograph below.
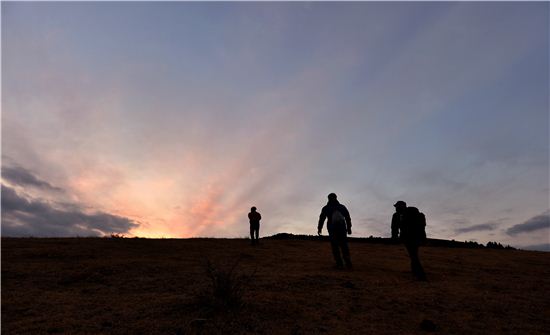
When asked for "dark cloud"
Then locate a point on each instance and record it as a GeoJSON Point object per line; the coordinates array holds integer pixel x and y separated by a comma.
{"type": "Point", "coordinates": [36, 217]}
{"type": "Point", "coordinates": [20, 176]}
{"type": "Point", "coordinates": [477, 227]}
{"type": "Point", "coordinates": [538, 222]}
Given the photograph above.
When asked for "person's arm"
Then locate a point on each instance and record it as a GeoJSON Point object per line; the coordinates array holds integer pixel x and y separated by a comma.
{"type": "Point", "coordinates": [395, 226]}
{"type": "Point", "coordinates": [322, 218]}
{"type": "Point", "coordinates": [259, 216]}
{"type": "Point", "coordinates": [348, 219]}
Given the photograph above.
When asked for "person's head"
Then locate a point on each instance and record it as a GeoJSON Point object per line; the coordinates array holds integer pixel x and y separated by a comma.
{"type": "Point", "coordinates": [400, 206]}
{"type": "Point", "coordinates": [253, 209]}
{"type": "Point", "coordinates": [332, 197]}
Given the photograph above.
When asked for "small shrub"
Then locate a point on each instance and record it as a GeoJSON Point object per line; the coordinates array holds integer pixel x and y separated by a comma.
{"type": "Point", "coordinates": [227, 285]}
{"type": "Point", "coordinates": [116, 235]}
{"type": "Point", "coordinates": [496, 245]}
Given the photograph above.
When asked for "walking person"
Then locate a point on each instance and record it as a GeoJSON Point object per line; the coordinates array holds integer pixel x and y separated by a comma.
{"type": "Point", "coordinates": [254, 217]}
{"type": "Point", "coordinates": [338, 226]}
{"type": "Point", "coordinates": [410, 223]}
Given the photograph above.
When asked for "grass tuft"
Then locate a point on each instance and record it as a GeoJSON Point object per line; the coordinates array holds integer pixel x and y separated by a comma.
{"type": "Point", "coordinates": [227, 285]}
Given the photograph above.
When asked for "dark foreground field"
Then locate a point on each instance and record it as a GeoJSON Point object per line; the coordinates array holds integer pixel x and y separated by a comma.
{"type": "Point", "coordinates": [141, 286]}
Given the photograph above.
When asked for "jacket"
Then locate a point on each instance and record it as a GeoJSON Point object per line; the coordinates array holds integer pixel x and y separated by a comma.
{"type": "Point", "coordinates": [326, 213]}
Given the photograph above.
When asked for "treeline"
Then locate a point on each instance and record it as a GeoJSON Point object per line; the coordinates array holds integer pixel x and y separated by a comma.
{"type": "Point", "coordinates": [381, 240]}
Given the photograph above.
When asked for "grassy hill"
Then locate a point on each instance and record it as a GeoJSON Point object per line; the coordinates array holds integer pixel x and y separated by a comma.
{"type": "Point", "coordinates": [282, 286]}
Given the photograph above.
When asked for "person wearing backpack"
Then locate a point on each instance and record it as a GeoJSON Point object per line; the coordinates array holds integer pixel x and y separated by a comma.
{"type": "Point", "coordinates": [338, 226]}
{"type": "Point", "coordinates": [254, 217]}
{"type": "Point", "coordinates": [411, 226]}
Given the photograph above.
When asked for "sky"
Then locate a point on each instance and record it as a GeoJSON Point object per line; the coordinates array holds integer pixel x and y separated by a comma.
{"type": "Point", "coordinates": [172, 119]}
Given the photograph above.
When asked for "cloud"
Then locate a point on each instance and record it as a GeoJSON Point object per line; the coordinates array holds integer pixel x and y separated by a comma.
{"type": "Point", "coordinates": [487, 226]}
{"type": "Point", "coordinates": [477, 227]}
{"type": "Point", "coordinates": [20, 176]}
{"type": "Point", "coordinates": [535, 223]}
{"type": "Point", "coordinates": [23, 216]}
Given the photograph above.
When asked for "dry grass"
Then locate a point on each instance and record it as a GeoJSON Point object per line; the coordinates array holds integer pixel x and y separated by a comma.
{"type": "Point", "coordinates": [139, 286]}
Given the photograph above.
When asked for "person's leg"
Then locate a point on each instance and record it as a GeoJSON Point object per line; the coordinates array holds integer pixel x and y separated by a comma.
{"type": "Point", "coordinates": [412, 256]}
{"type": "Point", "coordinates": [345, 251]}
{"type": "Point", "coordinates": [419, 270]}
{"type": "Point", "coordinates": [416, 267]}
{"type": "Point", "coordinates": [336, 250]}
{"type": "Point", "coordinates": [257, 231]}
{"type": "Point", "coordinates": [251, 234]}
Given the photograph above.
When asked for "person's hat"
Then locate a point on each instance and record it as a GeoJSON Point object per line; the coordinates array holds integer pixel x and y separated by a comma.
{"type": "Point", "coordinates": [253, 208]}
{"type": "Point", "coordinates": [400, 204]}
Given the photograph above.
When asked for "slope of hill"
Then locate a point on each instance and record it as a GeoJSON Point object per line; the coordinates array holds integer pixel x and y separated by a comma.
{"type": "Point", "coordinates": [146, 286]}
{"type": "Point", "coordinates": [431, 242]}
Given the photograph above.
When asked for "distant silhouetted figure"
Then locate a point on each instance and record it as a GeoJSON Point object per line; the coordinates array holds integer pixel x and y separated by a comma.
{"type": "Point", "coordinates": [410, 223]}
{"type": "Point", "coordinates": [338, 226]}
{"type": "Point", "coordinates": [254, 218]}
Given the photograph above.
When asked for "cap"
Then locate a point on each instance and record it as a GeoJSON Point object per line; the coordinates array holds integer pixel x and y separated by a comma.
{"type": "Point", "coordinates": [400, 203]}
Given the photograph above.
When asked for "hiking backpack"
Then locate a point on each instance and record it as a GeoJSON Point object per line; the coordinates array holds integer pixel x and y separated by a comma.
{"type": "Point", "coordinates": [417, 220]}
{"type": "Point", "coordinates": [338, 219]}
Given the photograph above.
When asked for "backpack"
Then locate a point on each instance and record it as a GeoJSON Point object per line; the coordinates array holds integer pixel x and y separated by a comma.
{"type": "Point", "coordinates": [338, 219]}
{"type": "Point", "coordinates": [417, 222]}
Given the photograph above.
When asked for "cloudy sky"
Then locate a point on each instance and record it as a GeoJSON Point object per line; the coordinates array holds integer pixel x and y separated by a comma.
{"type": "Point", "coordinates": [173, 119]}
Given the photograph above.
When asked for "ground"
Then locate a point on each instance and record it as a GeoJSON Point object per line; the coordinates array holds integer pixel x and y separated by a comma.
{"type": "Point", "coordinates": [166, 286]}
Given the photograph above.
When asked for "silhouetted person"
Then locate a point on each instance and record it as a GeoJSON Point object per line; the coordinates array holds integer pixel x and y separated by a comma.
{"type": "Point", "coordinates": [410, 224]}
{"type": "Point", "coordinates": [254, 218]}
{"type": "Point", "coordinates": [338, 226]}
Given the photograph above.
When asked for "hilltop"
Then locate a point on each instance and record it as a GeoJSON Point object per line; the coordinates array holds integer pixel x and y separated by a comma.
{"type": "Point", "coordinates": [430, 242]}
{"type": "Point", "coordinates": [283, 286]}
